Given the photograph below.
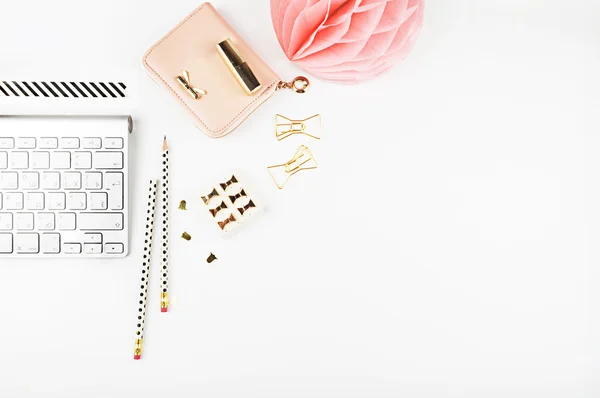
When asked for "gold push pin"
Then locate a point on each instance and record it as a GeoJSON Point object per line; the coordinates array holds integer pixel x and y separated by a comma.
{"type": "Point", "coordinates": [303, 160]}
{"type": "Point", "coordinates": [183, 205]}
{"type": "Point", "coordinates": [285, 127]}
{"type": "Point", "coordinates": [186, 236]}
{"type": "Point", "coordinates": [211, 258]}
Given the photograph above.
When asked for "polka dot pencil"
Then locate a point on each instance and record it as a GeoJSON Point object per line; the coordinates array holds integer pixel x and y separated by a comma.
{"type": "Point", "coordinates": [164, 271]}
{"type": "Point", "coordinates": [141, 314]}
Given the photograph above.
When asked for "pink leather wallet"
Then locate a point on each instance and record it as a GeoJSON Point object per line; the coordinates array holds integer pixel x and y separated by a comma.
{"type": "Point", "coordinates": [212, 72]}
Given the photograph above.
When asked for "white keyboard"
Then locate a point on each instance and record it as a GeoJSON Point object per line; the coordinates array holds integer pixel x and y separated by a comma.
{"type": "Point", "coordinates": [63, 186]}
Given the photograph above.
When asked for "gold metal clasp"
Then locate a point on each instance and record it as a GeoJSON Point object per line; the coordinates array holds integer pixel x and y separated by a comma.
{"type": "Point", "coordinates": [284, 127]}
{"type": "Point", "coordinates": [300, 85]}
{"type": "Point", "coordinates": [303, 160]}
{"type": "Point", "coordinates": [184, 81]}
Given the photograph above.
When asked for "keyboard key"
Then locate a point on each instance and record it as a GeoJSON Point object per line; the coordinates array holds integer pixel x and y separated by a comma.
{"type": "Point", "coordinates": [100, 221]}
{"type": "Point", "coordinates": [13, 201]}
{"type": "Point", "coordinates": [98, 200]}
{"type": "Point", "coordinates": [69, 143]}
{"type": "Point", "coordinates": [51, 180]}
{"type": "Point", "coordinates": [40, 160]}
{"type": "Point", "coordinates": [56, 200]}
{"type": "Point", "coordinates": [19, 160]}
{"type": "Point", "coordinates": [27, 243]}
{"type": "Point", "coordinates": [108, 160]}
{"type": "Point", "coordinates": [7, 143]}
{"type": "Point", "coordinates": [30, 180]}
{"type": "Point", "coordinates": [50, 243]}
{"type": "Point", "coordinates": [92, 143]}
{"type": "Point", "coordinates": [3, 160]}
{"type": "Point", "coordinates": [91, 237]}
{"type": "Point", "coordinates": [6, 243]}
{"type": "Point", "coordinates": [76, 201]}
{"type": "Point", "coordinates": [60, 160]}
{"type": "Point", "coordinates": [45, 221]}
{"type": "Point", "coordinates": [34, 201]}
{"type": "Point", "coordinates": [92, 180]}
{"type": "Point", "coordinates": [71, 248]}
{"type": "Point", "coordinates": [6, 221]}
{"type": "Point", "coordinates": [82, 160]}
{"type": "Point", "coordinates": [113, 143]}
{"type": "Point", "coordinates": [26, 143]}
{"type": "Point", "coordinates": [92, 248]}
{"type": "Point", "coordinates": [9, 180]}
{"type": "Point", "coordinates": [114, 248]}
{"type": "Point", "coordinates": [71, 180]}
{"type": "Point", "coordinates": [66, 221]}
{"type": "Point", "coordinates": [24, 221]}
{"type": "Point", "coordinates": [48, 143]}
{"type": "Point", "coordinates": [114, 185]}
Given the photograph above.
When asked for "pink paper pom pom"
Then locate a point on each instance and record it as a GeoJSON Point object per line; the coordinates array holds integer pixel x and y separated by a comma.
{"type": "Point", "coordinates": [346, 40]}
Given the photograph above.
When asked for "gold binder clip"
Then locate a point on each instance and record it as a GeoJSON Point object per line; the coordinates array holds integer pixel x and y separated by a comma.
{"type": "Point", "coordinates": [303, 160]}
{"type": "Point", "coordinates": [284, 127]}
{"type": "Point", "coordinates": [184, 81]}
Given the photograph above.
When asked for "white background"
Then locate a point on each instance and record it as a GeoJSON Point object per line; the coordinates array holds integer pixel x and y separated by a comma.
{"type": "Point", "coordinates": [447, 246]}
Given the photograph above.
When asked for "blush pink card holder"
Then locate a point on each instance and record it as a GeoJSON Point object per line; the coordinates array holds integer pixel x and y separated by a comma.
{"type": "Point", "coordinates": [187, 64]}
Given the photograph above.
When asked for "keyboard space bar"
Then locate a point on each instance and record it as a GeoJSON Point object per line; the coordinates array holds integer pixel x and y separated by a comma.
{"type": "Point", "coordinates": [100, 221]}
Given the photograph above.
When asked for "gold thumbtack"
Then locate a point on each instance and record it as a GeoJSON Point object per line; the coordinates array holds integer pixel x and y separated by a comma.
{"type": "Point", "coordinates": [285, 127]}
{"type": "Point", "coordinates": [182, 205]}
{"type": "Point", "coordinates": [303, 160]}
{"type": "Point", "coordinates": [186, 236]}
{"type": "Point", "coordinates": [211, 258]}
{"type": "Point", "coordinates": [184, 81]}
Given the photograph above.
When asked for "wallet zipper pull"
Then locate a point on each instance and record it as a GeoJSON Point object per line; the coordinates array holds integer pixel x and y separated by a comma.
{"type": "Point", "coordinates": [300, 85]}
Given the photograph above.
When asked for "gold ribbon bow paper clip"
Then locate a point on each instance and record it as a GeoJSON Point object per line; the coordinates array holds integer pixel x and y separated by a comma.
{"type": "Point", "coordinates": [284, 127]}
{"type": "Point", "coordinates": [303, 160]}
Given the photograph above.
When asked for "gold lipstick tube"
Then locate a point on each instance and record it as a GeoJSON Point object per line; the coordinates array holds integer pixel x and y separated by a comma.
{"type": "Point", "coordinates": [238, 67]}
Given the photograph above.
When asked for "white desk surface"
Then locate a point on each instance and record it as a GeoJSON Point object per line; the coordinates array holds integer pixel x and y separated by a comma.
{"type": "Point", "coordinates": [446, 247]}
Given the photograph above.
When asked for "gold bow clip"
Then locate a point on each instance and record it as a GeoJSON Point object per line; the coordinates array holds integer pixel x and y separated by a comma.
{"type": "Point", "coordinates": [303, 160]}
{"type": "Point", "coordinates": [284, 127]}
{"type": "Point", "coordinates": [184, 81]}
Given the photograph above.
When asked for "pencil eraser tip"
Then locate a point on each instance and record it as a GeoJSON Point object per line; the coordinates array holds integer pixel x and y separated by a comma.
{"type": "Point", "coordinates": [137, 356]}
{"type": "Point", "coordinates": [163, 310]}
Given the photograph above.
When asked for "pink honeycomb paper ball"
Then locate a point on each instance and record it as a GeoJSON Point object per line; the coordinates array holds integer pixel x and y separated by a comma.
{"type": "Point", "coordinates": [347, 40]}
